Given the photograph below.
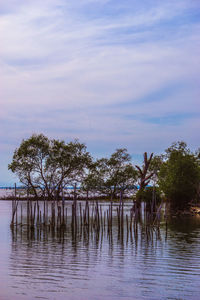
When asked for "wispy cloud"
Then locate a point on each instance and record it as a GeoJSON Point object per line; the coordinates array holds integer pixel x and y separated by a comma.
{"type": "Point", "coordinates": [112, 73]}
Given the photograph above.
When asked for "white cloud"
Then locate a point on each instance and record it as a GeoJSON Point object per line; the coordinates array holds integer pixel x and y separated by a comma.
{"type": "Point", "coordinates": [72, 69]}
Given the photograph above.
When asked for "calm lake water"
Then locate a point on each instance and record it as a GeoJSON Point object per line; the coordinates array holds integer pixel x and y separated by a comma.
{"type": "Point", "coordinates": [100, 266]}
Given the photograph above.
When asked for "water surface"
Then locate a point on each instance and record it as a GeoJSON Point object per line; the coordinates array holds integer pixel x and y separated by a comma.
{"type": "Point", "coordinates": [100, 266]}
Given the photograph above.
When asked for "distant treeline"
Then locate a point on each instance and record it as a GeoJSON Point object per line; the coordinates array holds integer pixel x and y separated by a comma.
{"type": "Point", "coordinates": [47, 166]}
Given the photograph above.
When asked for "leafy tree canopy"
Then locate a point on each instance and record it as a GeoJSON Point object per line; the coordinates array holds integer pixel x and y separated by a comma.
{"type": "Point", "coordinates": [47, 165]}
{"type": "Point", "coordinates": [179, 175]}
{"type": "Point", "coordinates": [110, 175]}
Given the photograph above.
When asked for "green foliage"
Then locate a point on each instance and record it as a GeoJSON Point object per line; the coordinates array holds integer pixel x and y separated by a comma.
{"type": "Point", "coordinates": [110, 175]}
{"type": "Point", "coordinates": [179, 175]}
{"type": "Point", "coordinates": [46, 165]}
{"type": "Point", "coordinates": [93, 180]}
{"type": "Point", "coordinates": [119, 173]}
{"type": "Point", "coordinates": [29, 161]}
{"type": "Point", "coordinates": [156, 164]}
{"type": "Point", "coordinates": [149, 193]}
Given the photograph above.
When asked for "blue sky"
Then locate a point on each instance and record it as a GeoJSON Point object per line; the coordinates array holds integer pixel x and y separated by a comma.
{"type": "Point", "coordinates": [110, 73]}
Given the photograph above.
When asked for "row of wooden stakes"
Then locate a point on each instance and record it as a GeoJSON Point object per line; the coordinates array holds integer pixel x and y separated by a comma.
{"type": "Point", "coordinates": [90, 215]}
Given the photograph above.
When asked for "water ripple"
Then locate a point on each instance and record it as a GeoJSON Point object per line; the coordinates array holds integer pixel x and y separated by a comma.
{"type": "Point", "coordinates": [102, 267]}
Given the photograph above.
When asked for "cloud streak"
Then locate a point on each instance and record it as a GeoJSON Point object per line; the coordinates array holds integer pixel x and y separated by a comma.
{"type": "Point", "coordinates": [111, 73]}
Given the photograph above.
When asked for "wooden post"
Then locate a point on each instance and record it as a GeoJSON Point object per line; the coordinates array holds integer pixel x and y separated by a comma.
{"type": "Point", "coordinates": [62, 195]}
{"type": "Point", "coordinates": [21, 214]}
{"type": "Point", "coordinates": [15, 192]}
{"type": "Point", "coordinates": [66, 215]}
{"type": "Point", "coordinates": [111, 208]}
{"type": "Point", "coordinates": [63, 213]}
{"type": "Point", "coordinates": [16, 214]}
{"type": "Point", "coordinates": [28, 213]}
{"type": "Point", "coordinates": [44, 213]}
{"type": "Point", "coordinates": [74, 206]}
{"type": "Point", "coordinates": [127, 223]}
{"type": "Point", "coordinates": [34, 214]}
{"type": "Point", "coordinates": [122, 208]}
{"type": "Point", "coordinates": [80, 213]}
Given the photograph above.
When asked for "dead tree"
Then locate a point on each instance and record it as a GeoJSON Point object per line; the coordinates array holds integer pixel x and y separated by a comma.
{"type": "Point", "coordinates": [144, 175]}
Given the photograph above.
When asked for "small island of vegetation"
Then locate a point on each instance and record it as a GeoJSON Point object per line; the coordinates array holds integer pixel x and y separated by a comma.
{"type": "Point", "coordinates": [46, 166]}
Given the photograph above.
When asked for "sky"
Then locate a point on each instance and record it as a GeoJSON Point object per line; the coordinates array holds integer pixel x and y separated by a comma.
{"type": "Point", "coordinates": [111, 73]}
